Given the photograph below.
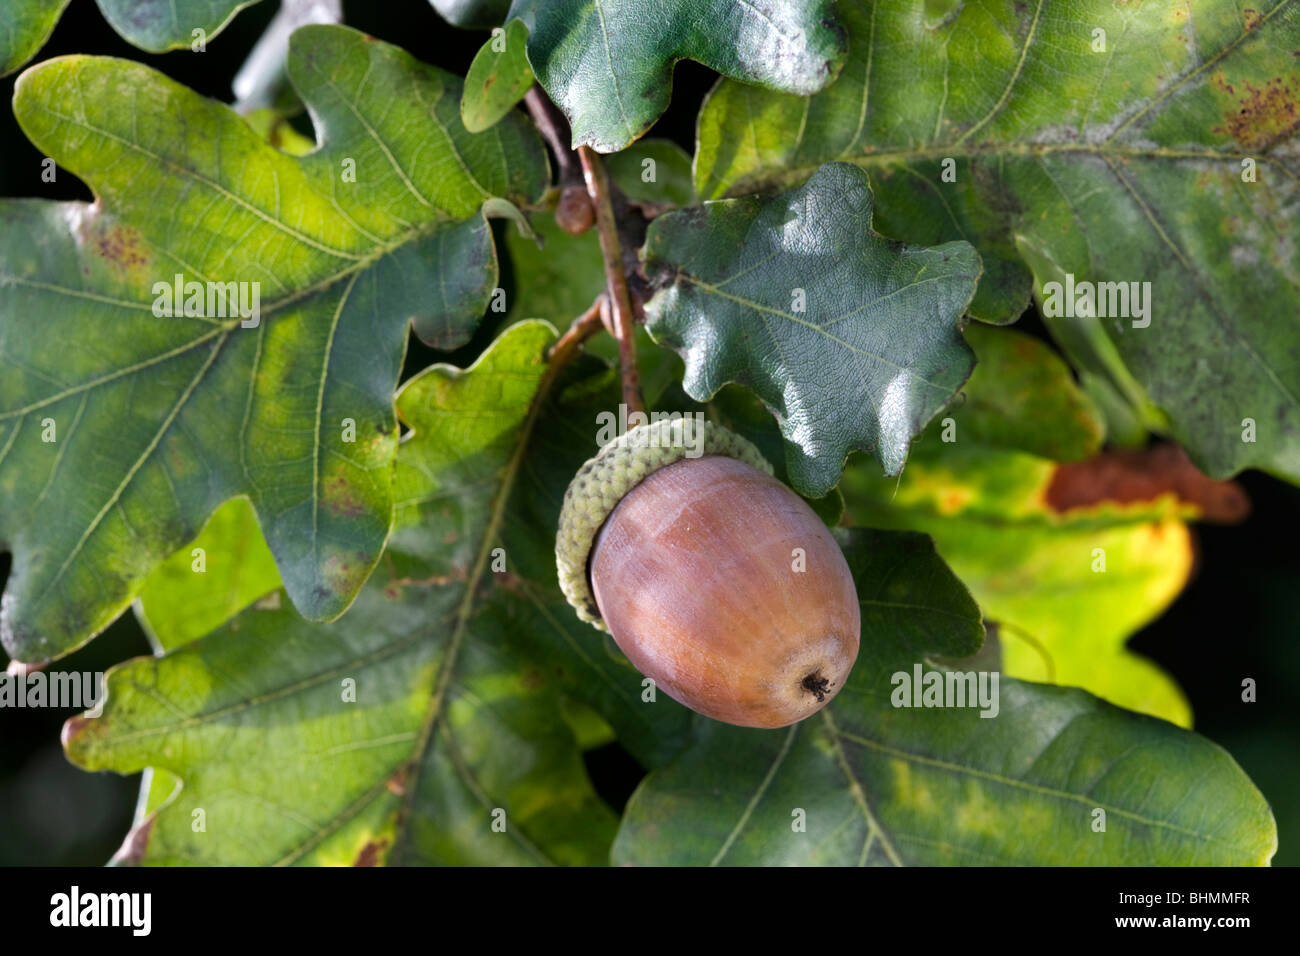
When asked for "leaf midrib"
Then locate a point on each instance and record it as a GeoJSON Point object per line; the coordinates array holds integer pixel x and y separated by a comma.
{"type": "Point", "coordinates": [767, 177]}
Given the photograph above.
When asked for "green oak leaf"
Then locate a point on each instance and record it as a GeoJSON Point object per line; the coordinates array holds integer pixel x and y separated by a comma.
{"type": "Point", "coordinates": [497, 79]}
{"type": "Point", "coordinates": [1114, 146]}
{"type": "Point", "coordinates": [872, 783]}
{"type": "Point", "coordinates": [465, 659]}
{"type": "Point", "coordinates": [608, 64]}
{"type": "Point", "coordinates": [449, 717]}
{"type": "Point", "coordinates": [556, 275]}
{"type": "Point", "coordinates": [1022, 397]}
{"type": "Point", "coordinates": [154, 25]}
{"type": "Point", "coordinates": [851, 339]}
{"type": "Point", "coordinates": [161, 25]}
{"type": "Point", "coordinates": [1033, 567]}
{"type": "Point", "coordinates": [202, 586]}
{"type": "Point", "coordinates": [120, 430]}
{"type": "Point", "coordinates": [25, 25]}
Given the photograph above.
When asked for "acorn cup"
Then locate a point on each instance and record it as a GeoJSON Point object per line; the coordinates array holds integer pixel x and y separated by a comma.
{"type": "Point", "coordinates": [714, 579]}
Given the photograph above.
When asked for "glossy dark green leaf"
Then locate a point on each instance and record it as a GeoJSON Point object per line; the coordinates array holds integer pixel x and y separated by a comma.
{"type": "Point", "coordinates": [852, 339]}
{"type": "Point", "coordinates": [1087, 141]}
{"type": "Point", "coordinates": [497, 79]}
{"type": "Point", "coordinates": [608, 64]}
{"type": "Point", "coordinates": [157, 420]}
{"type": "Point", "coordinates": [865, 782]}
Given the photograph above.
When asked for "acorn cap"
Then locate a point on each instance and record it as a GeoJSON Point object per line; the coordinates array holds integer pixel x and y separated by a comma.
{"type": "Point", "coordinates": [620, 466]}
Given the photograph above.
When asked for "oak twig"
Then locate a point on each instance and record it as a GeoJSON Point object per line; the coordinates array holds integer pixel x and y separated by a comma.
{"type": "Point", "coordinates": [550, 122]}
{"type": "Point", "coordinates": [583, 328]}
{"type": "Point", "coordinates": [620, 302]}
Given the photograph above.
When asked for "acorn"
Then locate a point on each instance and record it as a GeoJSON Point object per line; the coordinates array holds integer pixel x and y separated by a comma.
{"type": "Point", "coordinates": [714, 578]}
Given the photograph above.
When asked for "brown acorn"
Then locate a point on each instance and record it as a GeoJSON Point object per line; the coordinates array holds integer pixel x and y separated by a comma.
{"type": "Point", "coordinates": [714, 579]}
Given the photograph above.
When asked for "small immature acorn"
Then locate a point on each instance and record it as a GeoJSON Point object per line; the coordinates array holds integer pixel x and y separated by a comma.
{"type": "Point", "coordinates": [714, 579]}
{"type": "Point", "coordinates": [574, 213]}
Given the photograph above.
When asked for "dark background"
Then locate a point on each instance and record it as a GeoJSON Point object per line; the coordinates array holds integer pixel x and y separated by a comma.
{"type": "Point", "coordinates": [1239, 617]}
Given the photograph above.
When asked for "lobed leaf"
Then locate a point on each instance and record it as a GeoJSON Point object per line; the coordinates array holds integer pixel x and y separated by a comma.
{"type": "Point", "coordinates": [155, 421]}
{"type": "Point", "coordinates": [608, 64]}
{"type": "Point", "coordinates": [1093, 140]}
{"type": "Point", "coordinates": [497, 79]}
{"type": "Point", "coordinates": [1069, 560]}
{"type": "Point", "coordinates": [851, 339]}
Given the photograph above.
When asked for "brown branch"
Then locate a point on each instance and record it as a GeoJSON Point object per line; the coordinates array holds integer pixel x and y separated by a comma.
{"type": "Point", "coordinates": [586, 193]}
{"type": "Point", "coordinates": [550, 122]}
{"type": "Point", "coordinates": [598, 188]}
{"type": "Point", "coordinates": [583, 328]}
{"type": "Point", "coordinates": [573, 212]}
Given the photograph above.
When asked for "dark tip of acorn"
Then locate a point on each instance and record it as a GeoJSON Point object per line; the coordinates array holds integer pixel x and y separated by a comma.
{"type": "Point", "coordinates": [817, 685]}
